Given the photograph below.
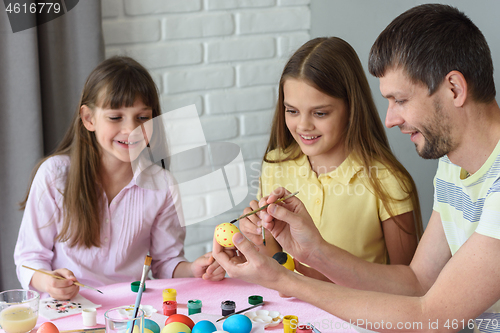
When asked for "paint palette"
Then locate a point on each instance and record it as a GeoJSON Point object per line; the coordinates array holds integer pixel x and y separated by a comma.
{"type": "Point", "coordinates": [148, 309]}
{"type": "Point", "coordinates": [51, 308]}
{"type": "Point", "coordinates": [268, 318]}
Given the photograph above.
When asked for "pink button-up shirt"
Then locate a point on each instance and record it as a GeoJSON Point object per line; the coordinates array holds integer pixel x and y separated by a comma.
{"type": "Point", "coordinates": [137, 222]}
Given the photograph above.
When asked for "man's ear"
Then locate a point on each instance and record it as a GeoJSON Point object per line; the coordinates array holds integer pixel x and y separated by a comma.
{"type": "Point", "coordinates": [86, 114]}
{"type": "Point", "coordinates": [458, 85]}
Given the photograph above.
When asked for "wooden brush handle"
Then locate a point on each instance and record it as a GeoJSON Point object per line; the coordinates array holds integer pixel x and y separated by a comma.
{"type": "Point", "coordinates": [54, 276]}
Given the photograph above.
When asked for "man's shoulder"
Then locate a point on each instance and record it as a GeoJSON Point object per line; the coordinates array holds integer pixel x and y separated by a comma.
{"type": "Point", "coordinates": [447, 169]}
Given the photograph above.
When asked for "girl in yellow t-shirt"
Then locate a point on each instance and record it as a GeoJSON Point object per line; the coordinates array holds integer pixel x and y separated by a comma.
{"type": "Point", "coordinates": [327, 142]}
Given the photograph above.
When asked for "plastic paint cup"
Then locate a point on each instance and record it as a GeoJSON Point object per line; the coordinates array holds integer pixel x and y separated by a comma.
{"type": "Point", "coordinates": [285, 260]}
{"type": "Point", "coordinates": [169, 308]}
{"type": "Point", "coordinates": [134, 286]}
{"type": "Point", "coordinates": [290, 324]}
{"type": "Point", "coordinates": [194, 306]}
{"type": "Point", "coordinates": [227, 307]}
{"type": "Point", "coordinates": [169, 295]}
{"type": "Point", "coordinates": [255, 299]}
{"type": "Point", "coordinates": [89, 317]}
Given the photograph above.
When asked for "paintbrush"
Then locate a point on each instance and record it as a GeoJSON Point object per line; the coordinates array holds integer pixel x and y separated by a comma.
{"type": "Point", "coordinates": [62, 278]}
{"type": "Point", "coordinates": [83, 330]}
{"type": "Point", "coordinates": [145, 270]}
{"type": "Point", "coordinates": [263, 235]}
{"type": "Point", "coordinates": [264, 207]}
{"type": "Point", "coordinates": [261, 208]}
{"type": "Point", "coordinates": [249, 308]}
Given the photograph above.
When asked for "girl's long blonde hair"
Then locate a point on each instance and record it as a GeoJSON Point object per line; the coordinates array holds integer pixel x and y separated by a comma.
{"type": "Point", "coordinates": [332, 66]}
{"type": "Point", "coordinates": [114, 83]}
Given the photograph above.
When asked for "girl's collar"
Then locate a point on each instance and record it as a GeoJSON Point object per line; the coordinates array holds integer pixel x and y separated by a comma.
{"type": "Point", "coordinates": [343, 173]}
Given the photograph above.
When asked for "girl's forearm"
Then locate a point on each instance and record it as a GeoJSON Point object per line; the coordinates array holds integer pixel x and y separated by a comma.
{"type": "Point", "coordinates": [183, 270]}
{"type": "Point", "coordinates": [37, 281]}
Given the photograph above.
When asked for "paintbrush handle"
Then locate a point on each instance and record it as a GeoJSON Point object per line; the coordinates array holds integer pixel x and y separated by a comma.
{"type": "Point", "coordinates": [253, 212]}
{"type": "Point", "coordinates": [138, 299]}
{"type": "Point", "coordinates": [265, 206]}
{"type": "Point", "coordinates": [61, 278]}
{"type": "Point", "coordinates": [249, 308]}
{"type": "Point", "coordinates": [83, 330]}
{"type": "Point", "coordinates": [145, 270]}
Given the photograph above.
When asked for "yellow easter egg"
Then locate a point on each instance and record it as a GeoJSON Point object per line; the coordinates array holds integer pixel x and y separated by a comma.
{"type": "Point", "coordinates": [176, 327]}
{"type": "Point", "coordinates": [224, 233]}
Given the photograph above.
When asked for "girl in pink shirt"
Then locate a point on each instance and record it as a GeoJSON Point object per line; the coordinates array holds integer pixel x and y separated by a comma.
{"type": "Point", "coordinates": [86, 217]}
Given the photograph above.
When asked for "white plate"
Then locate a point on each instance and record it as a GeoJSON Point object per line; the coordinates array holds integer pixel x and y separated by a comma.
{"type": "Point", "coordinates": [268, 318]}
{"type": "Point", "coordinates": [148, 310]}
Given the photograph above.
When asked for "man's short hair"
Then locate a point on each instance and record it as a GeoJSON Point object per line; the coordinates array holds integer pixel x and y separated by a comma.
{"type": "Point", "coordinates": [428, 42]}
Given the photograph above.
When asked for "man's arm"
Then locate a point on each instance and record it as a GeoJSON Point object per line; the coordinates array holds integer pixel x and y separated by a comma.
{"type": "Point", "coordinates": [465, 288]}
{"type": "Point", "coordinates": [455, 291]}
{"type": "Point", "coordinates": [293, 228]}
{"type": "Point", "coordinates": [415, 280]}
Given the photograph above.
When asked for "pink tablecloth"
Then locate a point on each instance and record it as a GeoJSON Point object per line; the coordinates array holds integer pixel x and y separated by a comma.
{"type": "Point", "coordinates": [211, 294]}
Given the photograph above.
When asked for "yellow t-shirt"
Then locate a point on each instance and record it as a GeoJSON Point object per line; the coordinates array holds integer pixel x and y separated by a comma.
{"type": "Point", "coordinates": [341, 203]}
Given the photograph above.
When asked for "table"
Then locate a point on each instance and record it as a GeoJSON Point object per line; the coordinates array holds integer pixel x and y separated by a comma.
{"type": "Point", "coordinates": [211, 294]}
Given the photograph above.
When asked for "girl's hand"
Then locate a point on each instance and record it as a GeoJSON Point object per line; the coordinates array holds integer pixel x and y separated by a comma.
{"type": "Point", "coordinates": [59, 289]}
{"type": "Point", "coordinates": [207, 268]}
{"type": "Point", "coordinates": [291, 225]}
{"type": "Point", "coordinates": [250, 226]}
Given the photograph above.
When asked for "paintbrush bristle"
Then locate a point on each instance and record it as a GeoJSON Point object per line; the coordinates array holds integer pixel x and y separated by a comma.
{"type": "Point", "coordinates": [148, 260]}
{"type": "Point", "coordinates": [233, 221]}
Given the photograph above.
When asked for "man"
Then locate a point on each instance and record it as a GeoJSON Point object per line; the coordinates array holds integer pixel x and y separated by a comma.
{"type": "Point", "coordinates": [436, 71]}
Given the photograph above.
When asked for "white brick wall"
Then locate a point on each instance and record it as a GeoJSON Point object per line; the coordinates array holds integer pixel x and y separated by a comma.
{"type": "Point", "coordinates": [280, 19]}
{"type": "Point", "coordinates": [198, 25]}
{"type": "Point", "coordinates": [224, 56]}
{"type": "Point", "coordinates": [240, 48]}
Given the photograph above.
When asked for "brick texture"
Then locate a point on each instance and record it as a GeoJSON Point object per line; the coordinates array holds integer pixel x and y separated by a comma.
{"type": "Point", "coordinates": [226, 58]}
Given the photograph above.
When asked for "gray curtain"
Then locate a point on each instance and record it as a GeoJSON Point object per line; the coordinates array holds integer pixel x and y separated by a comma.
{"type": "Point", "coordinates": [42, 72]}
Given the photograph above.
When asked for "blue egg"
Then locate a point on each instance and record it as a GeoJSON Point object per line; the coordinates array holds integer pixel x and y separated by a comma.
{"type": "Point", "coordinates": [204, 326]}
{"type": "Point", "coordinates": [151, 325]}
{"type": "Point", "coordinates": [237, 324]}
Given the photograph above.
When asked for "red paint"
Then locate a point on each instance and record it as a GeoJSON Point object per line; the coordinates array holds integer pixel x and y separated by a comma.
{"type": "Point", "coordinates": [169, 308]}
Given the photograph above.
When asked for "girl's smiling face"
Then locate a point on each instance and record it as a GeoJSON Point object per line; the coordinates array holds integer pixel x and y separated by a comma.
{"type": "Point", "coordinates": [317, 121]}
{"type": "Point", "coordinates": [114, 130]}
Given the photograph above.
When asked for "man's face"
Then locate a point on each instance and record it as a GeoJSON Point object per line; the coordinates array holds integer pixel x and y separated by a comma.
{"type": "Point", "coordinates": [416, 113]}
